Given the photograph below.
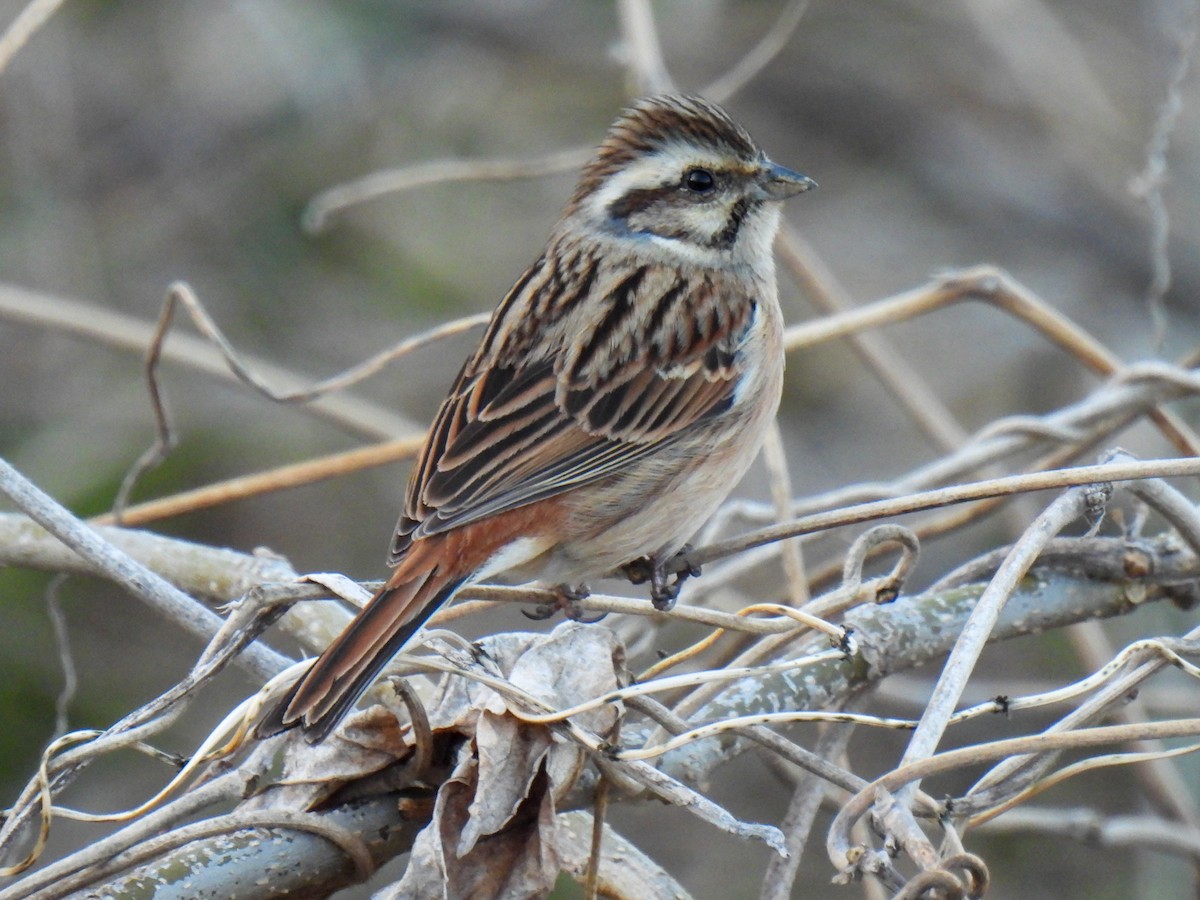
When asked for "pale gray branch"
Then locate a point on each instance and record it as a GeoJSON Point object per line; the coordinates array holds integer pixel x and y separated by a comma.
{"type": "Point", "coordinates": [144, 584]}
{"type": "Point", "coordinates": [124, 332]}
{"type": "Point", "coordinates": [977, 630]}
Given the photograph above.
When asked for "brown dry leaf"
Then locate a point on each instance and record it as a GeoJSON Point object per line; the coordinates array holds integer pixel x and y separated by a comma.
{"type": "Point", "coordinates": [510, 755]}
{"type": "Point", "coordinates": [514, 863]}
{"type": "Point", "coordinates": [367, 742]}
{"type": "Point", "coordinates": [571, 664]}
{"type": "Point", "coordinates": [459, 701]}
{"type": "Point", "coordinates": [493, 827]}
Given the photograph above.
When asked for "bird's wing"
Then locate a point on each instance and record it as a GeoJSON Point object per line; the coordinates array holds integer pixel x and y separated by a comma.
{"type": "Point", "coordinates": [560, 395]}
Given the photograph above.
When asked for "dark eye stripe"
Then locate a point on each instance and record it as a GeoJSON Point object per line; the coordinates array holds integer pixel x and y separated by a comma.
{"type": "Point", "coordinates": [641, 199]}
{"type": "Point", "coordinates": [637, 200]}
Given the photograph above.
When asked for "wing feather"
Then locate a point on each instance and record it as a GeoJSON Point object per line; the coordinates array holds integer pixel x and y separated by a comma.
{"type": "Point", "coordinates": [602, 382]}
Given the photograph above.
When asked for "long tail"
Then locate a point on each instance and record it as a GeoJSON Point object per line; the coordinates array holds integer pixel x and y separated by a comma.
{"type": "Point", "coordinates": [327, 691]}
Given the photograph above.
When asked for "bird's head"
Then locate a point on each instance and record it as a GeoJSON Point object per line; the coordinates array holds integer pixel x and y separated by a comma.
{"type": "Point", "coordinates": [679, 173]}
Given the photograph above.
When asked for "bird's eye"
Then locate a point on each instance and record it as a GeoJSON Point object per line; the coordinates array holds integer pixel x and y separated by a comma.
{"type": "Point", "coordinates": [699, 181]}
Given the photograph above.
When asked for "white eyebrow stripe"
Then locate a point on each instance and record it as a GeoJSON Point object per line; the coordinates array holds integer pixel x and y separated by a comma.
{"type": "Point", "coordinates": [656, 170]}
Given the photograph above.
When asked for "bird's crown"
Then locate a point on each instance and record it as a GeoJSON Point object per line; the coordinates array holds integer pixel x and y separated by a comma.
{"type": "Point", "coordinates": [656, 124]}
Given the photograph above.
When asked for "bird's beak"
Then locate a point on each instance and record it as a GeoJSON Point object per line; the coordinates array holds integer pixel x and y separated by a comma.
{"type": "Point", "coordinates": [777, 183]}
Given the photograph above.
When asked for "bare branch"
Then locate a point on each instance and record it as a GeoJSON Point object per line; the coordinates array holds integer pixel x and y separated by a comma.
{"type": "Point", "coordinates": [912, 391]}
{"type": "Point", "coordinates": [144, 584]}
{"type": "Point", "coordinates": [759, 56]}
{"type": "Point", "coordinates": [35, 14]}
{"type": "Point", "coordinates": [983, 619]}
{"type": "Point", "coordinates": [647, 70]}
{"type": "Point", "coordinates": [127, 333]}
{"type": "Point", "coordinates": [333, 201]}
{"type": "Point", "coordinates": [995, 487]}
{"type": "Point", "coordinates": [1148, 184]}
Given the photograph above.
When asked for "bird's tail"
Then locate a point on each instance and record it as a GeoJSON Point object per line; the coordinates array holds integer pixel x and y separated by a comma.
{"type": "Point", "coordinates": [327, 691]}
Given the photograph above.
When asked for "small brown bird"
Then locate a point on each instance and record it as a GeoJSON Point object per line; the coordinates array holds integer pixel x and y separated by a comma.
{"type": "Point", "coordinates": [621, 390]}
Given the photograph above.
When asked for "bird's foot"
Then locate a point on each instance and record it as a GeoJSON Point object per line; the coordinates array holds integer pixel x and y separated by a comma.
{"type": "Point", "coordinates": [567, 599]}
{"type": "Point", "coordinates": [665, 576]}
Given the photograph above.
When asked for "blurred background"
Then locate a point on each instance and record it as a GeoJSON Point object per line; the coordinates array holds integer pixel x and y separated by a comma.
{"type": "Point", "coordinates": [143, 143]}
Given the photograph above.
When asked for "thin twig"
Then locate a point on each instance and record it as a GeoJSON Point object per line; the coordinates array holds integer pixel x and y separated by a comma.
{"type": "Point", "coordinates": [35, 14]}
{"type": "Point", "coordinates": [280, 478]}
{"type": "Point", "coordinates": [326, 205]}
{"type": "Point", "coordinates": [223, 788]}
{"type": "Point", "coordinates": [780, 873]}
{"type": "Point", "coordinates": [136, 578]}
{"type": "Point", "coordinates": [180, 294]}
{"type": "Point", "coordinates": [974, 636]}
{"type": "Point", "coordinates": [1099, 829]}
{"type": "Point", "coordinates": [838, 844]}
{"type": "Point", "coordinates": [1011, 775]}
{"type": "Point", "coordinates": [646, 69]}
{"type": "Point", "coordinates": [760, 55]}
{"type": "Point", "coordinates": [775, 459]}
{"type": "Point", "coordinates": [62, 644]}
{"type": "Point", "coordinates": [913, 392]}
{"type": "Point", "coordinates": [994, 487]}
{"type": "Point", "coordinates": [66, 757]}
{"type": "Point", "coordinates": [999, 289]}
{"type": "Point", "coordinates": [1148, 184]}
{"type": "Point", "coordinates": [124, 332]}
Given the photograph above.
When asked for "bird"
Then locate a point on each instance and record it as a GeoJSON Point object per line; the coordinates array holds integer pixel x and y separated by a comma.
{"type": "Point", "coordinates": [621, 389]}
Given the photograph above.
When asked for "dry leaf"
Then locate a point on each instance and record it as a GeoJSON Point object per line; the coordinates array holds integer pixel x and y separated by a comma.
{"type": "Point", "coordinates": [494, 826]}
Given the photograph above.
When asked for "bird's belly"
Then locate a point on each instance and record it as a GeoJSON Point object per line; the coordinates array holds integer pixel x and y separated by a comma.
{"type": "Point", "coordinates": [657, 503]}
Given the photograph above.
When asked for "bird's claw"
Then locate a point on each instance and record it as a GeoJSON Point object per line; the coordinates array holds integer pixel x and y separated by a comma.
{"type": "Point", "coordinates": [567, 599]}
{"type": "Point", "coordinates": [665, 576]}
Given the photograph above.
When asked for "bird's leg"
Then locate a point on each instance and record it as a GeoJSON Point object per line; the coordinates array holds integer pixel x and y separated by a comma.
{"type": "Point", "coordinates": [666, 576]}
{"type": "Point", "coordinates": [567, 598]}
